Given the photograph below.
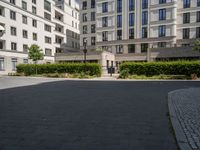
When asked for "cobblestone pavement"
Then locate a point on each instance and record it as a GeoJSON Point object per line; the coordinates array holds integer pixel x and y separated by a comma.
{"type": "Point", "coordinates": [185, 113]}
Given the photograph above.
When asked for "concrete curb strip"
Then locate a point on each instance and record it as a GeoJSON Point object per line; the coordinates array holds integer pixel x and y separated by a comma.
{"type": "Point", "coordinates": [180, 104]}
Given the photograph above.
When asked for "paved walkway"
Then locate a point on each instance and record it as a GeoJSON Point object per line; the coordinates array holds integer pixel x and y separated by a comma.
{"type": "Point", "coordinates": [184, 108]}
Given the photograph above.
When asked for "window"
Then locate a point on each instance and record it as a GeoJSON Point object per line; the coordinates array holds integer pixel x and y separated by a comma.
{"type": "Point", "coordinates": [47, 40]}
{"type": "Point", "coordinates": [25, 48]}
{"type": "Point", "coordinates": [162, 1]}
{"type": "Point", "coordinates": [84, 6]}
{"type": "Point", "coordinates": [48, 52]}
{"type": "Point", "coordinates": [131, 19]}
{"type": "Point", "coordinates": [105, 35]}
{"type": "Point", "coordinates": [2, 11]}
{"type": "Point", "coordinates": [85, 29]}
{"type": "Point", "coordinates": [85, 17]}
{"type": "Point", "coordinates": [12, 15]}
{"type": "Point", "coordinates": [119, 21]}
{"type": "Point", "coordinates": [131, 33]}
{"type": "Point", "coordinates": [47, 5]}
{"type": "Point", "coordinates": [93, 16]}
{"type": "Point", "coordinates": [24, 19]}
{"type": "Point", "coordinates": [93, 28]}
{"type": "Point", "coordinates": [12, 2]}
{"type": "Point", "coordinates": [131, 48]}
{"type": "Point", "coordinates": [25, 34]}
{"type": "Point", "coordinates": [34, 1]}
{"type": "Point", "coordinates": [198, 32]}
{"type": "Point", "coordinates": [119, 34]}
{"type": "Point", "coordinates": [93, 40]}
{"type": "Point", "coordinates": [186, 33]}
{"type": "Point", "coordinates": [119, 6]}
{"type": "Point", "coordinates": [14, 64]}
{"type": "Point", "coordinates": [144, 18]}
{"type": "Point", "coordinates": [13, 31]}
{"type": "Point", "coordinates": [186, 3]}
{"type": "Point", "coordinates": [24, 5]}
{"type": "Point", "coordinates": [47, 28]}
{"type": "Point", "coordinates": [35, 36]}
{"type": "Point", "coordinates": [144, 4]}
{"type": "Point", "coordinates": [105, 7]}
{"type": "Point", "coordinates": [13, 46]}
{"type": "Point", "coordinates": [119, 49]}
{"type": "Point", "coordinates": [131, 5]}
{"type": "Point", "coordinates": [47, 16]}
{"type": "Point", "coordinates": [34, 11]}
{"type": "Point", "coordinates": [162, 14]}
{"type": "Point", "coordinates": [144, 47]}
{"type": "Point", "coordinates": [104, 21]}
{"type": "Point", "coordinates": [25, 61]}
{"type": "Point", "coordinates": [1, 45]}
{"type": "Point", "coordinates": [72, 23]}
{"type": "Point", "coordinates": [34, 23]}
{"type": "Point", "coordinates": [198, 16]}
{"type": "Point", "coordinates": [162, 44]}
{"type": "Point", "coordinates": [186, 18]}
{"type": "Point", "coordinates": [70, 3]}
{"type": "Point", "coordinates": [2, 65]}
{"type": "Point", "coordinates": [144, 32]}
{"type": "Point", "coordinates": [162, 31]}
{"type": "Point", "coordinates": [92, 3]}
{"type": "Point", "coordinates": [198, 3]}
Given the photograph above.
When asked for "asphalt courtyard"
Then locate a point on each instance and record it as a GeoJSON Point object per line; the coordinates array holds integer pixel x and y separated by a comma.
{"type": "Point", "coordinates": [86, 115]}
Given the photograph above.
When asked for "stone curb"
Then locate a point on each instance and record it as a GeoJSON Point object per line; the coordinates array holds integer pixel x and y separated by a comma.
{"type": "Point", "coordinates": [179, 133]}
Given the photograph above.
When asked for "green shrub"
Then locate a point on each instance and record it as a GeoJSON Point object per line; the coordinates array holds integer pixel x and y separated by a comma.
{"type": "Point", "coordinates": [91, 69]}
{"type": "Point", "coordinates": [124, 73]}
{"type": "Point", "coordinates": [166, 68]}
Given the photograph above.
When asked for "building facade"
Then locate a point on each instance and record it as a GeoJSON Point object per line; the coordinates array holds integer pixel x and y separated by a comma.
{"type": "Point", "coordinates": [131, 27]}
{"type": "Point", "coordinates": [43, 22]}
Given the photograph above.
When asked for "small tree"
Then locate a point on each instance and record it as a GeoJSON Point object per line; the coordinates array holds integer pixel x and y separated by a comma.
{"type": "Point", "coordinates": [35, 53]}
{"type": "Point", "coordinates": [197, 46]}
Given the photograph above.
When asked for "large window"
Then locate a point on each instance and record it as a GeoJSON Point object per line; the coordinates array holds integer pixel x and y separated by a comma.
{"type": "Point", "coordinates": [13, 46]}
{"type": "Point", "coordinates": [2, 64]}
{"type": "Point", "coordinates": [93, 40]}
{"type": "Point", "coordinates": [47, 5]}
{"type": "Point", "coordinates": [25, 34]}
{"type": "Point", "coordinates": [105, 7]}
{"type": "Point", "coordinates": [186, 33]}
{"type": "Point", "coordinates": [119, 6]}
{"type": "Point", "coordinates": [47, 28]}
{"type": "Point", "coordinates": [162, 14]}
{"type": "Point", "coordinates": [131, 33]}
{"type": "Point", "coordinates": [24, 19]}
{"type": "Point", "coordinates": [93, 28]}
{"type": "Point", "coordinates": [2, 11]}
{"type": "Point", "coordinates": [93, 18]}
{"type": "Point", "coordinates": [131, 48]}
{"type": "Point", "coordinates": [84, 5]}
{"type": "Point", "coordinates": [119, 21]}
{"type": "Point", "coordinates": [84, 17]}
{"type": "Point", "coordinates": [198, 3]}
{"type": "Point", "coordinates": [85, 29]}
{"type": "Point", "coordinates": [13, 31]}
{"type": "Point", "coordinates": [186, 3]}
{"type": "Point", "coordinates": [34, 10]}
{"type": "Point", "coordinates": [131, 5]}
{"type": "Point", "coordinates": [162, 1]}
{"type": "Point", "coordinates": [131, 19]}
{"type": "Point", "coordinates": [186, 18]}
{"type": "Point", "coordinates": [144, 32]}
{"type": "Point", "coordinates": [119, 49]}
{"type": "Point", "coordinates": [162, 31]}
{"type": "Point", "coordinates": [48, 52]}
{"type": "Point", "coordinates": [144, 17]}
{"type": "Point", "coordinates": [12, 15]}
{"type": "Point", "coordinates": [198, 16]}
{"type": "Point", "coordinates": [105, 36]}
{"type": "Point", "coordinates": [24, 5]}
{"type": "Point", "coordinates": [198, 32]}
{"type": "Point", "coordinates": [144, 4]}
{"type": "Point", "coordinates": [119, 34]}
{"type": "Point", "coordinates": [14, 63]}
{"type": "Point", "coordinates": [144, 47]}
{"type": "Point", "coordinates": [104, 21]}
{"type": "Point", "coordinates": [12, 2]}
{"type": "Point", "coordinates": [92, 3]}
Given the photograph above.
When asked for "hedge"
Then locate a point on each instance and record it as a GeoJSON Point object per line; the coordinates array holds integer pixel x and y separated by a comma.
{"type": "Point", "coordinates": [166, 68]}
{"type": "Point", "coordinates": [92, 69]}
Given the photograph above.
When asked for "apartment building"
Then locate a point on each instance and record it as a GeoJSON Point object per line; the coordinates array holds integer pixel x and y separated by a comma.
{"type": "Point", "coordinates": [130, 27]}
{"type": "Point", "coordinates": [42, 22]}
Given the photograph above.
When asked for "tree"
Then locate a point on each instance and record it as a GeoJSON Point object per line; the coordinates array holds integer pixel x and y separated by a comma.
{"type": "Point", "coordinates": [35, 53]}
{"type": "Point", "coordinates": [197, 46]}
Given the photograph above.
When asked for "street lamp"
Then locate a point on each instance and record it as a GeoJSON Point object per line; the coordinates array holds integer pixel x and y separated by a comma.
{"type": "Point", "coordinates": [85, 50]}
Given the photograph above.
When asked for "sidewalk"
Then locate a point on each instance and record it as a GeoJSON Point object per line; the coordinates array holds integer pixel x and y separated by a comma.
{"type": "Point", "coordinates": [184, 108]}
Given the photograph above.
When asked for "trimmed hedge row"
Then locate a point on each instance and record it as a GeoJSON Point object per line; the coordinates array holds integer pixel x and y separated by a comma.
{"type": "Point", "coordinates": [166, 68]}
{"type": "Point", "coordinates": [71, 68]}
